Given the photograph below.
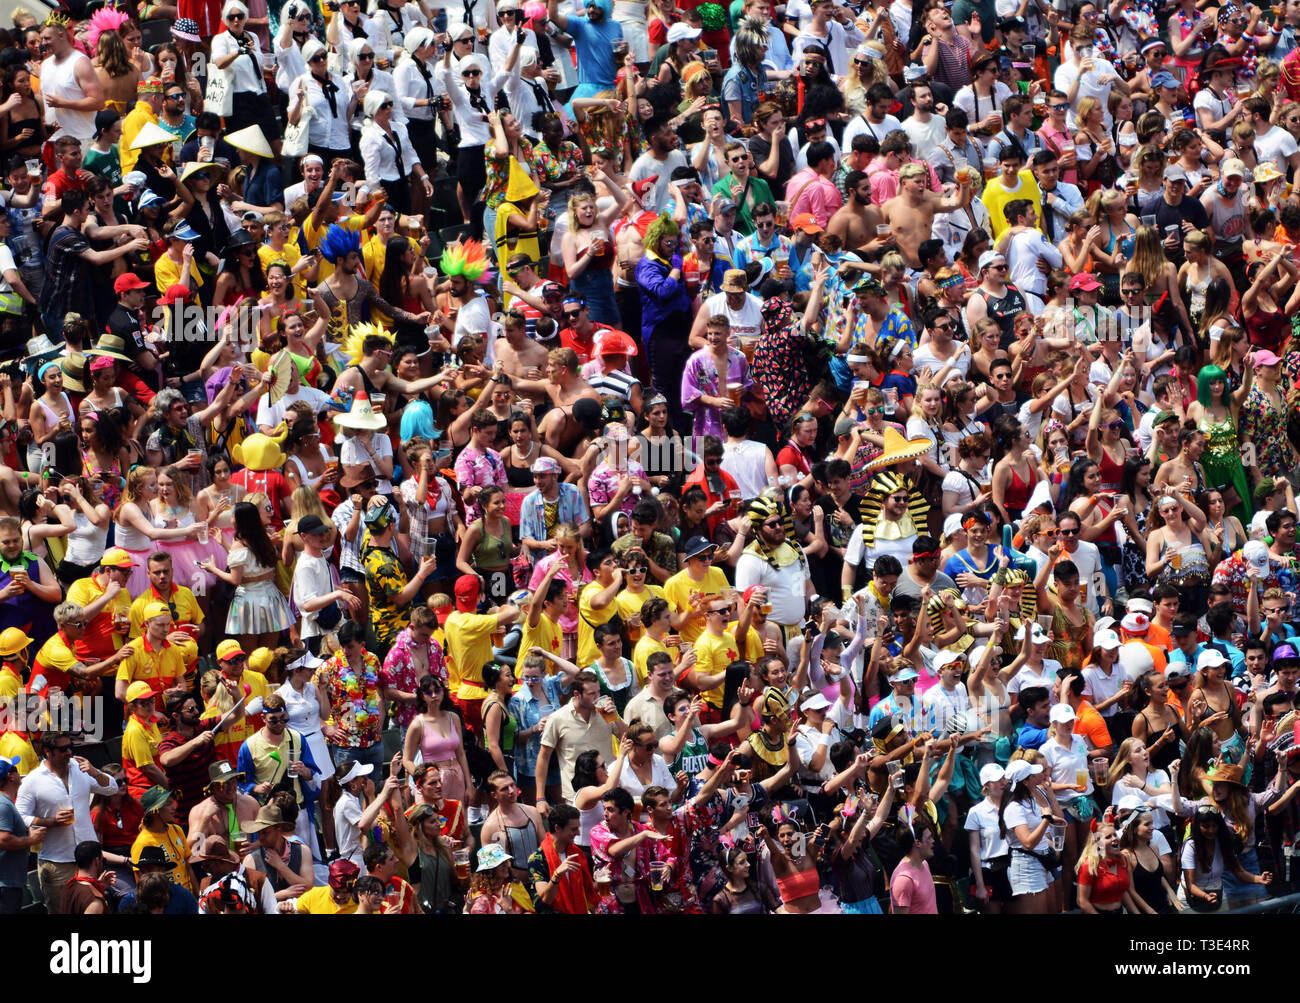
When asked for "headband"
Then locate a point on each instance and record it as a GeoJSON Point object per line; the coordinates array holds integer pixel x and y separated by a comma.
{"type": "Point", "coordinates": [950, 281]}
{"type": "Point", "coordinates": [925, 555]}
{"type": "Point", "coordinates": [713, 760]}
{"type": "Point", "coordinates": [897, 350]}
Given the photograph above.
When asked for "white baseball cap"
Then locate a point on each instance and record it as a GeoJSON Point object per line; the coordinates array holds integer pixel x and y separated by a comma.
{"type": "Point", "coordinates": [1020, 770]}
{"type": "Point", "coordinates": [1210, 658]}
{"type": "Point", "coordinates": [991, 773]}
{"type": "Point", "coordinates": [1106, 639]}
{"type": "Point", "coordinates": [1062, 713]}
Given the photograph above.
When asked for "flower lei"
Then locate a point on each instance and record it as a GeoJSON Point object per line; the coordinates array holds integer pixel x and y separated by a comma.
{"type": "Point", "coordinates": [1141, 17]}
{"type": "Point", "coordinates": [1186, 23]}
{"type": "Point", "coordinates": [1101, 41]}
{"type": "Point", "coordinates": [365, 698]}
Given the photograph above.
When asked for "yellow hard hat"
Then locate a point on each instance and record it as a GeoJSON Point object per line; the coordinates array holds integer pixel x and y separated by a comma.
{"type": "Point", "coordinates": [12, 641]}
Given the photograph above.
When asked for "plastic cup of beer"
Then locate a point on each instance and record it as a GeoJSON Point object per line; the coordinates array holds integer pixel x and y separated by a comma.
{"type": "Point", "coordinates": [604, 882]}
{"type": "Point", "coordinates": [781, 259]}
{"type": "Point", "coordinates": [203, 532]}
{"type": "Point", "coordinates": [673, 642]}
{"type": "Point", "coordinates": [1081, 779]}
{"type": "Point", "coordinates": [657, 875]}
{"type": "Point", "coordinates": [461, 859]}
{"type": "Point", "coordinates": [882, 230]}
{"type": "Point", "coordinates": [1099, 767]}
{"type": "Point", "coordinates": [782, 215]}
{"type": "Point", "coordinates": [990, 168]}
{"type": "Point", "coordinates": [607, 710]}
{"type": "Point", "coordinates": [498, 636]}
{"type": "Point", "coordinates": [34, 166]}
{"type": "Point", "coordinates": [597, 246]}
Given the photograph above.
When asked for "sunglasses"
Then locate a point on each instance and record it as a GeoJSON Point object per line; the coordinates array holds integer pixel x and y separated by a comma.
{"type": "Point", "coordinates": [772, 524]}
{"type": "Point", "coordinates": [1067, 532]}
{"type": "Point", "coordinates": [365, 55]}
{"type": "Point", "coordinates": [235, 17]}
{"type": "Point", "coordinates": [1060, 107]}
{"type": "Point", "coordinates": [472, 73]}
{"type": "Point", "coordinates": [318, 58]}
{"type": "Point", "coordinates": [572, 314]}
{"type": "Point", "coordinates": [275, 718]}
{"type": "Point", "coordinates": [386, 104]}
{"type": "Point", "coordinates": [1114, 424]}
{"type": "Point", "coordinates": [1131, 292]}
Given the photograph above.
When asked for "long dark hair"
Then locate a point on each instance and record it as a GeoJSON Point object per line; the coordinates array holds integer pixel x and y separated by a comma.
{"type": "Point", "coordinates": [251, 532]}
{"type": "Point", "coordinates": [109, 431]}
{"type": "Point", "coordinates": [1204, 847]}
{"type": "Point", "coordinates": [256, 277]}
{"type": "Point", "coordinates": [424, 696]}
{"type": "Point", "coordinates": [393, 282]}
{"type": "Point", "coordinates": [584, 769]}
{"type": "Point", "coordinates": [1128, 480]}
{"type": "Point", "coordinates": [1074, 487]}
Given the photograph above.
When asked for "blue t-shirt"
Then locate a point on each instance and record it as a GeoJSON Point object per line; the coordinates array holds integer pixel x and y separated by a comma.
{"type": "Point", "coordinates": [1230, 651]}
{"type": "Point", "coordinates": [181, 903]}
{"type": "Point", "coordinates": [13, 863]}
{"type": "Point", "coordinates": [595, 45]}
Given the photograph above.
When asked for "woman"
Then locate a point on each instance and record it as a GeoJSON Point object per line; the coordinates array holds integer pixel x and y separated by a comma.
{"type": "Point", "coordinates": [1156, 723]}
{"type": "Point", "coordinates": [616, 674]}
{"type": "Point", "coordinates": [118, 76]}
{"type": "Point", "coordinates": [241, 273]}
{"type": "Point", "coordinates": [486, 547]}
{"type": "Point", "coordinates": [1026, 812]}
{"type": "Point", "coordinates": [436, 736]}
{"type": "Point", "coordinates": [986, 337]}
{"type": "Point", "coordinates": [91, 517]}
{"type": "Point", "coordinates": [1147, 852]}
{"type": "Point", "coordinates": [662, 450]}
{"type": "Point", "coordinates": [1053, 448]}
{"type": "Point", "coordinates": [324, 97]}
{"type": "Point", "coordinates": [174, 506]}
{"type": "Point", "coordinates": [472, 114]}
{"type": "Point", "coordinates": [1150, 164]}
{"type": "Point", "coordinates": [1134, 486]}
{"type": "Point", "coordinates": [136, 531]}
{"type": "Point", "coordinates": [539, 696]}
{"type": "Point", "coordinates": [493, 890]}
{"type": "Point", "coordinates": [1212, 703]}
{"type": "Point", "coordinates": [589, 256]}
{"type": "Point", "coordinates": [433, 871]}
{"type": "Point", "coordinates": [570, 555]}
{"type": "Point", "coordinates": [926, 422]}
{"type": "Point", "coordinates": [1132, 775]}
{"type": "Point", "coordinates": [1215, 412]}
{"type": "Point", "coordinates": [1266, 324]}
{"type": "Point", "coordinates": [220, 496]}
{"type": "Point", "coordinates": [22, 127]}
{"type": "Point", "coordinates": [1207, 855]}
{"type": "Point", "coordinates": [106, 395]}
{"type": "Point", "coordinates": [403, 285]}
{"type": "Point", "coordinates": [1104, 876]}
{"type": "Point", "coordinates": [966, 486]}
{"type": "Point", "coordinates": [1196, 274]}
{"type": "Point", "coordinates": [1107, 446]}
{"type": "Point", "coordinates": [1014, 473]}
{"type": "Point", "coordinates": [51, 413]}
{"type": "Point", "coordinates": [499, 724]}
{"type": "Point", "coordinates": [302, 703]}
{"type": "Point", "coordinates": [387, 152]}
{"type": "Point", "coordinates": [104, 455]}
{"type": "Point", "coordinates": [309, 464]}
{"type": "Point", "coordinates": [1179, 548]}
{"type": "Point", "coordinates": [173, 66]}
{"type": "Point", "coordinates": [1067, 757]}
{"type": "Point", "coordinates": [1159, 274]}
{"type": "Point", "coordinates": [795, 859]}
{"type": "Point", "coordinates": [258, 611]}
{"type": "Point", "coordinates": [644, 767]}
{"type": "Point", "coordinates": [1227, 526]}
{"type": "Point", "coordinates": [520, 455]}
{"type": "Point", "coordinates": [1263, 419]}
{"type": "Point", "coordinates": [990, 854]}
{"type": "Point", "coordinates": [982, 98]}
{"type": "Point", "coordinates": [1116, 233]}
{"type": "Point", "coordinates": [743, 896]}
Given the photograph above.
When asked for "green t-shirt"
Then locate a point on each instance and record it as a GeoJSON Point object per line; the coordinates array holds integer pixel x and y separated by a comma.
{"type": "Point", "coordinates": [106, 165]}
{"type": "Point", "coordinates": [758, 192]}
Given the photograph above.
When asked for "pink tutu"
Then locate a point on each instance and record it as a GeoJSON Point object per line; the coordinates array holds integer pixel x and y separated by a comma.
{"type": "Point", "coordinates": [187, 555]}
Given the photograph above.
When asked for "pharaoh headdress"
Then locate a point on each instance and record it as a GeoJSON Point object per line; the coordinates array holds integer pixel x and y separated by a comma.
{"type": "Point", "coordinates": [1010, 578]}
{"type": "Point", "coordinates": [759, 510]}
{"type": "Point", "coordinates": [882, 485]}
{"type": "Point", "coordinates": [934, 610]}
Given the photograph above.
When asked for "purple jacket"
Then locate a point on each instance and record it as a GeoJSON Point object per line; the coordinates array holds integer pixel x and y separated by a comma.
{"type": "Point", "coordinates": [661, 296]}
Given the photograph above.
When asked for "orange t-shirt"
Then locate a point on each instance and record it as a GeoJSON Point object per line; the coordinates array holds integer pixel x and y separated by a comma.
{"type": "Point", "coordinates": [1281, 236]}
{"type": "Point", "coordinates": [1158, 636]}
{"type": "Point", "coordinates": [1091, 725]}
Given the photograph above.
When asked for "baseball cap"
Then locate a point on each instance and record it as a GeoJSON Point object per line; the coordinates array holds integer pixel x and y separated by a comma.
{"type": "Point", "coordinates": [311, 523]}
{"type": "Point", "coordinates": [1177, 670]}
{"type": "Point", "coordinates": [1037, 635]}
{"type": "Point", "coordinates": [1182, 628]}
{"type": "Point", "coordinates": [805, 222]}
{"type": "Point", "coordinates": [1135, 623]}
{"type": "Point", "coordinates": [154, 609]}
{"type": "Point", "coordinates": [174, 293]}
{"type": "Point", "coordinates": [467, 591]}
{"type": "Point", "coordinates": [1175, 173]}
{"type": "Point", "coordinates": [945, 657]}
{"type": "Point", "coordinates": [1263, 357]}
{"type": "Point", "coordinates": [991, 773]}
{"type": "Point", "coordinates": [1164, 418]}
{"type": "Point", "coordinates": [1140, 605]}
{"type": "Point", "coordinates": [726, 205]}
{"type": "Point", "coordinates": [185, 233]}
{"type": "Point", "coordinates": [357, 769]}
{"type": "Point", "coordinates": [8, 766]}
{"type": "Point", "coordinates": [116, 557]}
{"type": "Point", "coordinates": [988, 257]}
{"type": "Point", "coordinates": [1062, 713]}
{"type": "Point", "coordinates": [1164, 79]}
{"type": "Point", "coordinates": [1106, 639]}
{"type": "Point", "coordinates": [1021, 770]}
{"type": "Point", "coordinates": [228, 649]}
{"type": "Point", "coordinates": [844, 426]}
{"type": "Point", "coordinates": [952, 524]}
{"type": "Point", "coordinates": [1210, 658]}
{"type": "Point", "coordinates": [1232, 167]}
{"type": "Point", "coordinates": [139, 690]}
{"type": "Point", "coordinates": [1255, 554]}
{"type": "Point", "coordinates": [681, 31]}
{"type": "Point", "coordinates": [1085, 282]}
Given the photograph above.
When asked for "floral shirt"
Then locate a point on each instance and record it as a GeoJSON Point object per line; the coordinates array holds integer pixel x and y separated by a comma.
{"type": "Point", "coordinates": [632, 868]}
{"type": "Point", "coordinates": [702, 827]}
{"type": "Point", "coordinates": [354, 700]}
{"type": "Point", "coordinates": [1265, 426]}
{"type": "Point", "coordinates": [385, 578]}
{"type": "Point", "coordinates": [1232, 573]}
{"type": "Point", "coordinates": [702, 377]}
{"type": "Point", "coordinates": [897, 325]}
{"type": "Point", "coordinates": [538, 517]}
{"type": "Point", "coordinates": [498, 171]}
{"type": "Point", "coordinates": [400, 672]}
{"type": "Point", "coordinates": [566, 160]}
{"type": "Point", "coordinates": [603, 484]}
{"type": "Point", "coordinates": [474, 466]}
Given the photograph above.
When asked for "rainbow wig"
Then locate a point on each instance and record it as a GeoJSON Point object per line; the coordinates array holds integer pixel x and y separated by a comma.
{"type": "Point", "coordinates": [467, 260]}
{"type": "Point", "coordinates": [339, 242]}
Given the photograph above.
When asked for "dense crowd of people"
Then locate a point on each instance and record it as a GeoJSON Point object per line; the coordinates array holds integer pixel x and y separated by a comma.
{"type": "Point", "coordinates": [649, 457]}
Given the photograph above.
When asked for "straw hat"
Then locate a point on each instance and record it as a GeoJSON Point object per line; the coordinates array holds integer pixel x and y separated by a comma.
{"type": "Point", "coordinates": [362, 416]}
{"type": "Point", "coordinates": [112, 346]}
{"type": "Point", "coordinates": [193, 168]}
{"type": "Point", "coordinates": [152, 135]}
{"type": "Point", "coordinates": [899, 450]}
{"type": "Point", "coordinates": [251, 140]}
{"type": "Point", "coordinates": [74, 372]}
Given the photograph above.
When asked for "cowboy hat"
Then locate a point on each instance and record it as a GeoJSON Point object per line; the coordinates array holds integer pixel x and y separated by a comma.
{"type": "Point", "coordinates": [112, 346]}
{"type": "Point", "coordinates": [899, 450]}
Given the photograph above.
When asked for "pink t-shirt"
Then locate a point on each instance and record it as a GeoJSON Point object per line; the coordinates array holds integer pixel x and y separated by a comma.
{"type": "Point", "coordinates": [912, 888]}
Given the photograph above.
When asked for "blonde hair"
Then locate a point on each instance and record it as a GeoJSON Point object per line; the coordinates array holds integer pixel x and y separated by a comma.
{"type": "Point", "coordinates": [181, 483]}
{"type": "Point", "coordinates": [1084, 108]}
{"type": "Point", "coordinates": [215, 696]}
{"type": "Point", "coordinates": [306, 501]}
{"type": "Point", "coordinates": [1148, 255]}
{"type": "Point", "coordinates": [574, 202]}
{"type": "Point", "coordinates": [135, 482]}
{"type": "Point", "coordinates": [1091, 855]}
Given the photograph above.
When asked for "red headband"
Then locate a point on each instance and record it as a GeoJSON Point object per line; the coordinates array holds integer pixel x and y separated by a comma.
{"type": "Point", "coordinates": [925, 554]}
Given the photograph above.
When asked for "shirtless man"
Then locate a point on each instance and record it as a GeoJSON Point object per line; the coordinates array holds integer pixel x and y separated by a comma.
{"type": "Point", "coordinates": [376, 353]}
{"type": "Point", "coordinates": [855, 221]}
{"type": "Point", "coordinates": [224, 811]}
{"type": "Point", "coordinates": [910, 213]}
{"type": "Point", "coordinates": [518, 355]}
{"type": "Point", "coordinates": [563, 386]}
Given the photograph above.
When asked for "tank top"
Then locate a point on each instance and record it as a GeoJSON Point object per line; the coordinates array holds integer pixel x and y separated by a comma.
{"type": "Point", "coordinates": [1004, 310]}
{"type": "Point", "coordinates": [86, 541]}
{"type": "Point", "coordinates": [60, 80]}
{"type": "Point", "coordinates": [521, 842]}
{"type": "Point", "coordinates": [1112, 473]}
{"type": "Point", "coordinates": [799, 885]}
{"type": "Point", "coordinates": [293, 858]}
{"type": "Point", "coordinates": [1149, 885]}
{"type": "Point", "coordinates": [1018, 491]}
{"type": "Point", "coordinates": [694, 755]}
{"type": "Point", "coordinates": [1267, 329]}
{"type": "Point", "coordinates": [130, 538]}
{"type": "Point", "coordinates": [509, 723]}
{"type": "Point", "coordinates": [435, 748]}
{"type": "Point", "coordinates": [492, 552]}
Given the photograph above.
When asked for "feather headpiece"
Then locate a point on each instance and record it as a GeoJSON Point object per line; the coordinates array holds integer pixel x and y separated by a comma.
{"type": "Point", "coordinates": [467, 260]}
{"type": "Point", "coordinates": [104, 19]}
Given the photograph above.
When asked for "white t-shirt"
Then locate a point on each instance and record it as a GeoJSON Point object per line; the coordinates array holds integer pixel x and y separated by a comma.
{"type": "Point", "coordinates": [925, 136]}
{"type": "Point", "coordinates": [1066, 764]}
{"type": "Point", "coordinates": [1087, 559]}
{"type": "Point", "coordinates": [347, 813]}
{"type": "Point", "coordinates": [1276, 145]}
{"type": "Point", "coordinates": [1099, 686]}
{"type": "Point", "coordinates": [1159, 817]}
{"type": "Point", "coordinates": [1218, 107]}
{"type": "Point", "coordinates": [353, 453]}
{"type": "Point", "coordinates": [1206, 881]}
{"type": "Point", "coordinates": [924, 358]}
{"type": "Point", "coordinates": [746, 461]}
{"type": "Point", "coordinates": [978, 109]}
{"type": "Point", "coordinates": [1029, 677]}
{"type": "Point", "coordinates": [662, 776]}
{"type": "Point", "coordinates": [860, 126]}
{"type": "Point", "coordinates": [1022, 813]}
{"type": "Point", "coordinates": [746, 322]}
{"type": "Point", "coordinates": [957, 482]}
{"type": "Point", "coordinates": [647, 166]}
{"type": "Point", "coordinates": [311, 579]}
{"type": "Point", "coordinates": [272, 414]}
{"type": "Point", "coordinates": [983, 818]}
{"type": "Point", "coordinates": [855, 553]}
{"type": "Point", "coordinates": [1090, 86]}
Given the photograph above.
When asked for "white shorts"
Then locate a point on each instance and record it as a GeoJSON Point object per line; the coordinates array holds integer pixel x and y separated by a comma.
{"type": "Point", "coordinates": [1027, 875]}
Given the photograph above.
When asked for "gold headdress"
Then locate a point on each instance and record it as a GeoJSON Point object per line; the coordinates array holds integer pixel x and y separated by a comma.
{"type": "Point", "coordinates": [884, 484]}
{"type": "Point", "coordinates": [934, 609]}
{"type": "Point", "coordinates": [58, 19]}
{"type": "Point", "coordinates": [358, 334]}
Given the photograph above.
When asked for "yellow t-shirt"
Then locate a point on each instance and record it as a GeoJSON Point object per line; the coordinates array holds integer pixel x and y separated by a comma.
{"type": "Point", "coordinates": [157, 668]}
{"type": "Point", "coordinates": [268, 256]}
{"type": "Point", "coordinates": [546, 635]}
{"type": "Point", "coordinates": [645, 647]}
{"type": "Point", "coordinates": [174, 845]}
{"type": "Point", "coordinates": [140, 742]}
{"type": "Point", "coordinates": [681, 586]}
{"type": "Point", "coordinates": [319, 902]}
{"type": "Point", "coordinates": [12, 744]}
{"type": "Point", "coordinates": [187, 608]}
{"type": "Point", "coordinates": [589, 619]}
{"type": "Point", "coordinates": [713, 655]}
{"type": "Point", "coordinates": [752, 644]}
{"type": "Point", "coordinates": [629, 603]}
{"type": "Point", "coordinates": [167, 273]}
{"type": "Point", "coordinates": [11, 684]}
{"type": "Point", "coordinates": [469, 648]}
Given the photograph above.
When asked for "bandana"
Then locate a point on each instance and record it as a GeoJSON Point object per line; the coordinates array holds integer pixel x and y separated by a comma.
{"type": "Point", "coordinates": [951, 281]}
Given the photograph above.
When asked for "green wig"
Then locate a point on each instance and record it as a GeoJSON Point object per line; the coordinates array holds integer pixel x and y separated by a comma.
{"type": "Point", "coordinates": [663, 226]}
{"type": "Point", "coordinates": [1204, 378]}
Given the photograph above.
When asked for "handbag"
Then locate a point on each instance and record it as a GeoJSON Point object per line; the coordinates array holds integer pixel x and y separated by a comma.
{"type": "Point", "coordinates": [295, 141]}
{"type": "Point", "coordinates": [220, 94]}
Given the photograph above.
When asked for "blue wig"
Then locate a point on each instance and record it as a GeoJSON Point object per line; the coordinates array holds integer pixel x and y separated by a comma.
{"type": "Point", "coordinates": [339, 242]}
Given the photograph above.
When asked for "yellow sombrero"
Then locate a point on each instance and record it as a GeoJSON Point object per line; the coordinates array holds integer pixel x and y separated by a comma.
{"type": "Point", "coordinates": [899, 450]}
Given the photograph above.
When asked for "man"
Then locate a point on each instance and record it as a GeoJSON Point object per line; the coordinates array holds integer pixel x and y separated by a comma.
{"type": "Point", "coordinates": [179, 600]}
{"type": "Point", "coordinates": [659, 161]}
{"type": "Point", "coordinates": [56, 797]}
{"type": "Point", "coordinates": [29, 587]}
{"type": "Point", "coordinates": [269, 415]}
{"type": "Point", "coordinates": [925, 130]}
{"type": "Point", "coordinates": [765, 241]}
{"type": "Point", "coordinates": [995, 297]}
{"type": "Point", "coordinates": [469, 647]}
{"type": "Point", "coordinates": [744, 311]}
{"type": "Point", "coordinates": [173, 117]}
{"type": "Point", "coordinates": [148, 105]}
{"type": "Point", "coordinates": [225, 810]}
{"type": "Point", "coordinates": [1272, 142]}
{"type": "Point", "coordinates": [16, 839]}
{"type": "Point", "coordinates": [742, 187]}
{"type": "Point", "coordinates": [560, 875]}
{"type": "Point", "coordinates": [891, 532]}
{"type": "Point", "coordinates": [161, 657]}
{"type": "Point", "coordinates": [1175, 209]}
{"type": "Point", "coordinates": [361, 484]}
{"type": "Point", "coordinates": [69, 87]}
{"type": "Point", "coordinates": [811, 190]}
{"type": "Point", "coordinates": [1017, 117]}
{"type": "Point", "coordinates": [71, 262]}
{"type": "Point", "coordinates": [596, 605]}
{"type": "Point", "coordinates": [856, 220]}
{"type": "Point", "coordinates": [332, 899]}
{"type": "Point", "coordinates": [517, 351]}
{"type": "Point", "coordinates": [1253, 566]}
{"type": "Point", "coordinates": [159, 831]}
{"type": "Point", "coordinates": [70, 176]}
{"type": "Point", "coordinates": [1060, 200]}
{"type": "Point", "coordinates": [750, 464]}
{"type": "Point", "coordinates": [391, 591]}
{"type": "Point", "coordinates": [650, 705]}
{"type": "Point", "coordinates": [1013, 183]}
{"type": "Point", "coordinates": [276, 758]}
{"type": "Point", "coordinates": [580, 333]}
{"type": "Point", "coordinates": [876, 120]}
{"type": "Point", "coordinates": [910, 213]}
{"type": "Point", "coordinates": [1226, 206]}
{"type": "Point", "coordinates": [285, 862]}
{"type": "Point", "coordinates": [1029, 253]}
{"type": "Point", "coordinates": [551, 495]}
{"type": "Point", "coordinates": [575, 729]}
{"type": "Point", "coordinates": [901, 704]}
{"type": "Point", "coordinates": [187, 751]}
{"type": "Point", "coordinates": [352, 700]}
{"type": "Point", "coordinates": [346, 290]}
{"type": "Point", "coordinates": [656, 620]}
{"type": "Point", "coordinates": [957, 148]}
{"type": "Point", "coordinates": [776, 564]}
{"type": "Point", "coordinates": [105, 604]}
{"type": "Point", "coordinates": [594, 37]}
{"type": "Point", "coordinates": [692, 587]}
{"type": "Point", "coordinates": [858, 158]}
{"type": "Point", "coordinates": [381, 862]}
{"type": "Point", "coordinates": [140, 741]}
{"type": "Point", "coordinates": [55, 665]}
{"type": "Point", "coordinates": [87, 893]}
{"type": "Point", "coordinates": [920, 571]}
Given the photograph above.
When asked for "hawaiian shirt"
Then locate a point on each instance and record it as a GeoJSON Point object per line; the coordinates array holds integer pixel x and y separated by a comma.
{"type": "Point", "coordinates": [702, 827]}
{"type": "Point", "coordinates": [400, 673]}
{"type": "Point", "coordinates": [1232, 573]}
{"type": "Point", "coordinates": [897, 325]}
{"type": "Point", "coordinates": [474, 466]}
{"type": "Point", "coordinates": [354, 700]}
{"type": "Point", "coordinates": [538, 517]}
{"type": "Point", "coordinates": [385, 578]}
{"type": "Point", "coordinates": [498, 171]}
{"type": "Point", "coordinates": [603, 485]}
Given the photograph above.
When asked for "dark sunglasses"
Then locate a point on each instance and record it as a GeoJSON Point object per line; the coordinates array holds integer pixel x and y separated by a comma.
{"type": "Point", "coordinates": [235, 17]}
{"type": "Point", "coordinates": [573, 314]}
{"type": "Point", "coordinates": [318, 58]}
{"type": "Point", "coordinates": [365, 55]}
{"type": "Point", "coordinates": [1067, 532]}
{"type": "Point", "coordinates": [472, 73]}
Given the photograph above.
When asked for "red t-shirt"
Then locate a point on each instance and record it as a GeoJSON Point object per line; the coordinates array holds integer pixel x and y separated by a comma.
{"type": "Point", "coordinates": [790, 455]}
{"type": "Point", "coordinates": [58, 183]}
{"type": "Point", "coordinates": [271, 483]}
{"type": "Point", "coordinates": [1109, 883]}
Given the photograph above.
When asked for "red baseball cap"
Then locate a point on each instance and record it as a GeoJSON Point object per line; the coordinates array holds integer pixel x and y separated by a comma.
{"type": "Point", "coordinates": [467, 592]}
{"type": "Point", "coordinates": [176, 292]}
{"type": "Point", "coordinates": [128, 281]}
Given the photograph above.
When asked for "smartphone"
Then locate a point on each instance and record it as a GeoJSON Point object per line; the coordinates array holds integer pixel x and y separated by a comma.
{"type": "Point", "coordinates": [401, 774]}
